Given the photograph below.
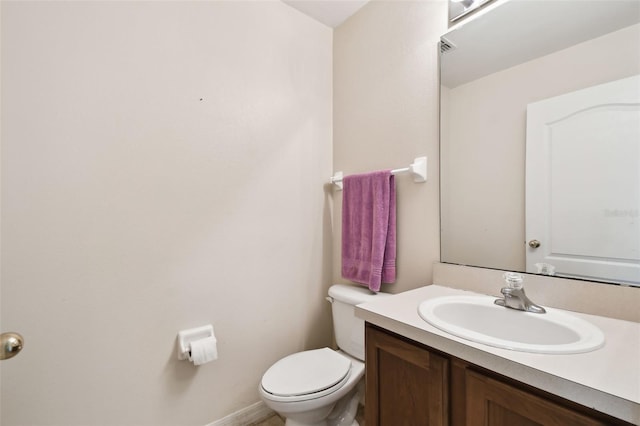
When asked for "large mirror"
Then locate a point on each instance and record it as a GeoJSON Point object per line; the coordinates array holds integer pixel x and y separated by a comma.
{"type": "Point", "coordinates": [540, 139]}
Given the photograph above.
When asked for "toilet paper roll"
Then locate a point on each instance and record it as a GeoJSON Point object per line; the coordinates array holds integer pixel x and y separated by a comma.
{"type": "Point", "coordinates": [203, 350]}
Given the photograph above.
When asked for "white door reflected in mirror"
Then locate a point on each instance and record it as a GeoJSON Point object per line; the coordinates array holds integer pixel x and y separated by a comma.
{"type": "Point", "coordinates": [582, 182]}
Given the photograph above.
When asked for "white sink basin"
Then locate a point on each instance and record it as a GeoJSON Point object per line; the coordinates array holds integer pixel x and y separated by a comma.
{"type": "Point", "coordinates": [478, 319]}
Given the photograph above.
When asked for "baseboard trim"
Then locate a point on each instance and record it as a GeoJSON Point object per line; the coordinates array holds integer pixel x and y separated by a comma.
{"type": "Point", "coordinates": [251, 414]}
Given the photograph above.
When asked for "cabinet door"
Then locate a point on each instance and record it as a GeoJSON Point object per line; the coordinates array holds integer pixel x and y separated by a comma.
{"type": "Point", "coordinates": [406, 384]}
{"type": "Point", "coordinates": [493, 403]}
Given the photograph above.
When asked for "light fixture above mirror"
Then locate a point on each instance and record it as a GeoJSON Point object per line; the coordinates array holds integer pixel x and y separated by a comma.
{"type": "Point", "coordinates": [461, 8]}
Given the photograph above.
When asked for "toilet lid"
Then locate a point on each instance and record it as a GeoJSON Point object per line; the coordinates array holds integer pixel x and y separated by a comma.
{"type": "Point", "coordinates": [306, 372]}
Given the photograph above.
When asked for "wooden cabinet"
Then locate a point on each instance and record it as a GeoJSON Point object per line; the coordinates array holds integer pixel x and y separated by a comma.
{"type": "Point", "coordinates": [410, 384]}
{"type": "Point", "coordinates": [406, 385]}
{"type": "Point", "coordinates": [491, 402]}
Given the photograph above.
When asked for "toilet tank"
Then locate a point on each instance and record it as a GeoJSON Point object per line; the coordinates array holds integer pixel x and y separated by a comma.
{"type": "Point", "coordinates": [348, 329]}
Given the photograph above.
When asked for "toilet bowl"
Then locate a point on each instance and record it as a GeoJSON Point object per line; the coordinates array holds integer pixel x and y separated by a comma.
{"type": "Point", "coordinates": [322, 387]}
{"type": "Point", "coordinates": [318, 387]}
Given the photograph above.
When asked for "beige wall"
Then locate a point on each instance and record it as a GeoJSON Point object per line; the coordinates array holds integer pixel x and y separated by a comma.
{"type": "Point", "coordinates": [483, 165]}
{"type": "Point", "coordinates": [162, 168]}
{"type": "Point", "coordinates": [386, 113]}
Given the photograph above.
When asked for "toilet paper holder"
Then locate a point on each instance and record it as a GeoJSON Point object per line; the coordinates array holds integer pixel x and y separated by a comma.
{"type": "Point", "coordinates": [185, 337]}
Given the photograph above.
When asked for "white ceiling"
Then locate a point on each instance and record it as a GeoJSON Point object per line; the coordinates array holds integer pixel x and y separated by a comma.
{"type": "Point", "coordinates": [329, 12]}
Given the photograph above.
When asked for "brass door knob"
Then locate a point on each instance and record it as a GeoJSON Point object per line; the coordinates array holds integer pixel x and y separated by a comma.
{"type": "Point", "coordinates": [534, 243]}
{"type": "Point", "coordinates": [10, 345]}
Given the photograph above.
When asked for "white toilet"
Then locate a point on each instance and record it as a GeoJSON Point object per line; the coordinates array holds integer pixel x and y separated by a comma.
{"type": "Point", "coordinates": [322, 387]}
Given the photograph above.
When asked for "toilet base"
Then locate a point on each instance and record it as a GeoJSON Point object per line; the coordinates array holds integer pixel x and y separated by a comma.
{"type": "Point", "coordinates": [342, 414]}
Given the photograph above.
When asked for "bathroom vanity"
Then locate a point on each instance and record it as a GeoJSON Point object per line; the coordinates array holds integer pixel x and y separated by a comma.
{"type": "Point", "coordinates": [418, 374]}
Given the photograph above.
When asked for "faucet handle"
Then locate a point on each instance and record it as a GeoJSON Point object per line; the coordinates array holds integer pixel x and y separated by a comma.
{"type": "Point", "coordinates": [513, 280]}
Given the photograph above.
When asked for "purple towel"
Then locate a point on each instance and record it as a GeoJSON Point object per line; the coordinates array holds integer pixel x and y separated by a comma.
{"type": "Point", "coordinates": [369, 229]}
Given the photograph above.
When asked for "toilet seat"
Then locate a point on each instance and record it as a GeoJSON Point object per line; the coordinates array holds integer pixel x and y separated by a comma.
{"type": "Point", "coordinates": [306, 375]}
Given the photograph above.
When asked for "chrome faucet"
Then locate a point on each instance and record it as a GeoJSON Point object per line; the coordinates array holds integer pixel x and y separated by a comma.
{"type": "Point", "coordinates": [514, 296]}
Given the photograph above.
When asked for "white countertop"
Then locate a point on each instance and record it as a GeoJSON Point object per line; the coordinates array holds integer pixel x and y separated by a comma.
{"type": "Point", "coordinates": [607, 379]}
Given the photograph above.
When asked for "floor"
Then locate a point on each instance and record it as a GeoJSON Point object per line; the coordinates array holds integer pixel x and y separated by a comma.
{"type": "Point", "coordinates": [275, 420]}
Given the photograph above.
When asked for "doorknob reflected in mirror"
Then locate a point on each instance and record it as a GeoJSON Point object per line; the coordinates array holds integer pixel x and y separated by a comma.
{"type": "Point", "coordinates": [10, 345]}
{"type": "Point", "coordinates": [534, 243]}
